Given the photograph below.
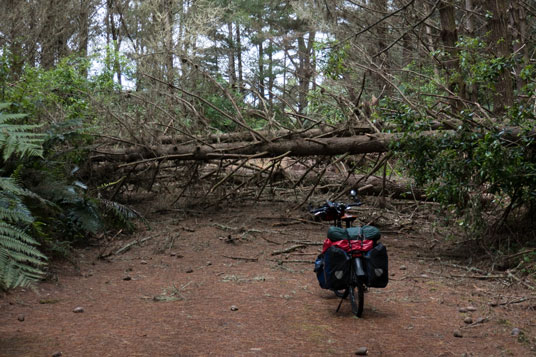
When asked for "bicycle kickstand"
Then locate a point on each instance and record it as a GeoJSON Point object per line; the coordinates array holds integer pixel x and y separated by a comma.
{"type": "Point", "coordinates": [342, 299]}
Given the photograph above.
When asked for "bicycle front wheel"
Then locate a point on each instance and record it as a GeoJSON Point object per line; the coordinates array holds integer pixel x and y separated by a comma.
{"type": "Point", "coordinates": [357, 298]}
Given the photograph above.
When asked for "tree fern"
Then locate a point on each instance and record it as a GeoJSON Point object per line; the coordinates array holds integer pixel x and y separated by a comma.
{"type": "Point", "coordinates": [54, 205]}
{"type": "Point", "coordinates": [20, 261]}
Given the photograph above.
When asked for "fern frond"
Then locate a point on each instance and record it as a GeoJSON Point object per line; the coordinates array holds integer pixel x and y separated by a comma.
{"type": "Point", "coordinates": [19, 259]}
{"type": "Point", "coordinates": [10, 231]}
{"type": "Point", "coordinates": [25, 259]}
{"type": "Point", "coordinates": [19, 138]}
{"type": "Point", "coordinates": [13, 275]}
{"type": "Point", "coordinates": [122, 213]}
{"type": "Point", "coordinates": [10, 185]}
{"type": "Point", "coordinates": [14, 212]}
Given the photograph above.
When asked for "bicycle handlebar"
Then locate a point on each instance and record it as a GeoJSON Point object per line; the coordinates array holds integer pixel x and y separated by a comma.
{"type": "Point", "coordinates": [333, 210]}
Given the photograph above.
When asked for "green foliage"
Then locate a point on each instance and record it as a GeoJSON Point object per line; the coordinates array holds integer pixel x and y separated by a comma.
{"type": "Point", "coordinates": [60, 94]}
{"type": "Point", "coordinates": [464, 167]}
{"type": "Point", "coordinates": [484, 170]}
{"type": "Point", "coordinates": [479, 68]}
{"type": "Point", "coordinates": [332, 57]}
{"type": "Point", "coordinates": [119, 215]}
{"type": "Point", "coordinates": [18, 138]}
{"type": "Point", "coordinates": [221, 106]}
{"type": "Point", "coordinates": [20, 261]}
{"type": "Point", "coordinates": [42, 200]}
{"type": "Point", "coordinates": [325, 108]}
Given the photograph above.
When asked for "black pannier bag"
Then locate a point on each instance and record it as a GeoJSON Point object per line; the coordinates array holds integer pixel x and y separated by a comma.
{"type": "Point", "coordinates": [377, 266]}
{"type": "Point", "coordinates": [319, 270]}
{"type": "Point", "coordinates": [336, 268]}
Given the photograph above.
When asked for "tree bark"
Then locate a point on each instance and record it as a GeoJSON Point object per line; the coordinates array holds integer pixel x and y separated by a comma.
{"type": "Point", "coordinates": [449, 37]}
{"type": "Point", "coordinates": [48, 34]}
{"type": "Point", "coordinates": [283, 133]}
{"type": "Point", "coordinates": [239, 58]}
{"type": "Point", "coordinates": [83, 34]}
{"type": "Point", "coordinates": [231, 68]}
{"type": "Point", "coordinates": [518, 22]}
{"type": "Point", "coordinates": [500, 43]}
{"type": "Point", "coordinates": [295, 147]}
{"type": "Point", "coordinates": [169, 45]}
{"type": "Point", "coordinates": [305, 69]}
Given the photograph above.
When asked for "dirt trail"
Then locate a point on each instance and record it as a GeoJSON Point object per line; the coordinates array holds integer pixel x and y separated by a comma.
{"type": "Point", "coordinates": [197, 288]}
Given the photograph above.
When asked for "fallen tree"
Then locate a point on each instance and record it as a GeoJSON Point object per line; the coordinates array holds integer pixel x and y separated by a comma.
{"type": "Point", "coordinates": [324, 131]}
{"type": "Point", "coordinates": [360, 144]}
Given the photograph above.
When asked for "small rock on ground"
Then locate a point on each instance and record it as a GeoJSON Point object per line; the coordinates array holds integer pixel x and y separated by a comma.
{"type": "Point", "coordinates": [516, 331]}
{"type": "Point", "coordinates": [21, 318]}
{"type": "Point", "coordinates": [361, 351]}
{"type": "Point", "coordinates": [468, 320]}
{"type": "Point", "coordinates": [78, 309]}
{"type": "Point", "coordinates": [457, 333]}
{"type": "Point", "coordinates": [234, 308]}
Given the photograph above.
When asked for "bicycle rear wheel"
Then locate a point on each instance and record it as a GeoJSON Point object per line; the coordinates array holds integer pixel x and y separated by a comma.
{"type": "Point", "coordinates": [357, 299]}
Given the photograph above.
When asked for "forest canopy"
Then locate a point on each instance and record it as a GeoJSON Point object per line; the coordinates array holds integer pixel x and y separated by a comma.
{"type": "Point", "coordinates": [104, 99]}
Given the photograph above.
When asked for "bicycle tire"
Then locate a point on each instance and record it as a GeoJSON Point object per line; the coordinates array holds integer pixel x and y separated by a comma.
{"type": "Point", "coordinates": [358, 300]}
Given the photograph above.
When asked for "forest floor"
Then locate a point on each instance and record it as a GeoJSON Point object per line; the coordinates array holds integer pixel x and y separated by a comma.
{"type": "Point", "coordinates": [198, 286]}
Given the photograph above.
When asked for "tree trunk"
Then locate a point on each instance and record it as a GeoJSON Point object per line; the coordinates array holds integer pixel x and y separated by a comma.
{"type": "Point", "coordinates": [283, 133]}
{"type": "Point", "coordinates": [518, 22]}
{"type": "Point", "coordinates": [429, 38]}
{"type": "Point", "coordinates": [261, 69]}
{"type": "Point", "coordinates": [48, 34]}
{"type": "Point", "coordinates": [239, 58]}
{"type": "Point", "coordinates": [399, 188]}
{"type": "Point", "coordinates": [17, 60]}
{"type": "Point", "coordinates": [294, 147]}
{"type": "Point", "coordinates": [271, 76]}
{"type": "Point", "coordinates": [469, 8]}
{"type": "Point", "coordinates": [305, 69]}
{"type": "Point", "coordinates": [500, 43]}
{"type": "Point", "coordinates": [168, 40]}
{"type": "Point", "coordinates": [114, 45]}
{"type": "Point", "coordinates": [83, 34]}
{"type": "Point", "coordinates": [231, 68]}
{"type": "Point", "coordinates": [449, 37]}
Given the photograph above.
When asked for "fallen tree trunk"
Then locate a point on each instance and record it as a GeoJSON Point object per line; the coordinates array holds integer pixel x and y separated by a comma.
{"type": "Point", "coordinates": [360, 144]}
{"type": "Point", "coordinates": [365, 184]}
{"type": "Point", "coordinates": [272, 135]}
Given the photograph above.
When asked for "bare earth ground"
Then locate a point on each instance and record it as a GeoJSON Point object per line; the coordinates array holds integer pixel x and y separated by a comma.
{"type": "Point", "coordinates": [197, 287]}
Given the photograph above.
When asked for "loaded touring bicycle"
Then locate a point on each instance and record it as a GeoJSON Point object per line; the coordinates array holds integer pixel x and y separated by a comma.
{"type": "Point", "coordinates": [352, 258]}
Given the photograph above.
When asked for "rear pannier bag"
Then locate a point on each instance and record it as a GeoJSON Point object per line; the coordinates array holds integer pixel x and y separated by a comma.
{"type": "Point", "coordinates": [377, 266]}
{"type": "Point", "coordinates": [333, 269]}
{"type": "Point", "coordinates": [319, 270]}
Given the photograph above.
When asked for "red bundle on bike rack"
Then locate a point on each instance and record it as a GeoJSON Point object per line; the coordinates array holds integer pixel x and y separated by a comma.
{"type": "Point", "coordinates": [349, 245]}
